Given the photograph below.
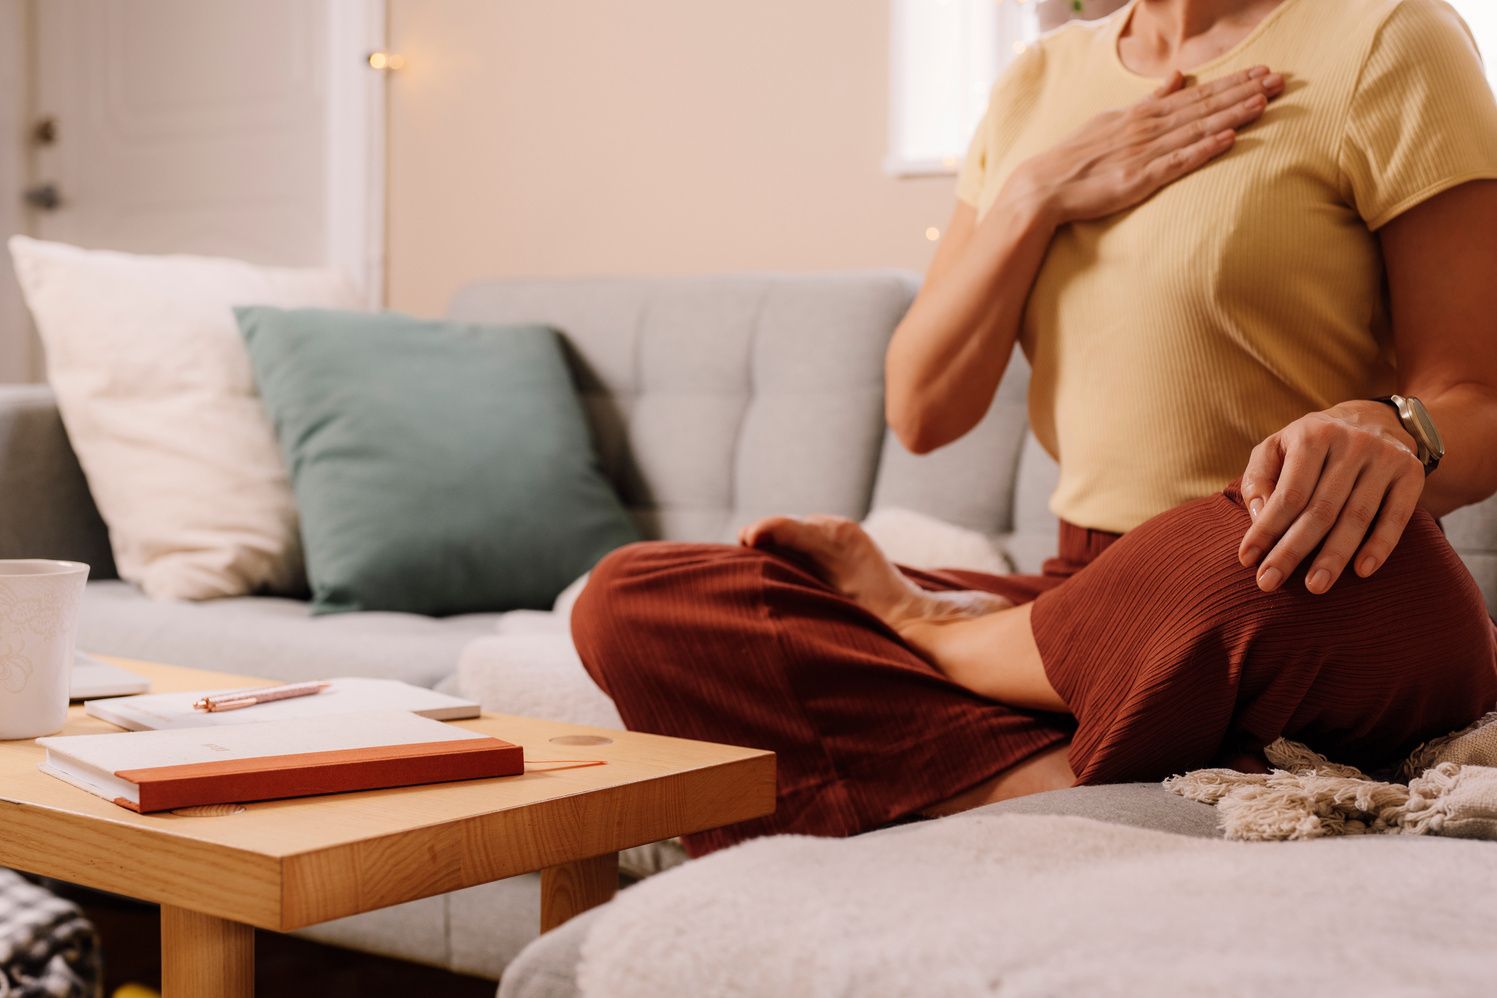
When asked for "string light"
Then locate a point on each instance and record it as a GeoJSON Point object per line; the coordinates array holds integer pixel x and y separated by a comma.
{"type": "Point", "coordinates": [932, 233]}
{"type": "Point", "coordinates": [386, 60]}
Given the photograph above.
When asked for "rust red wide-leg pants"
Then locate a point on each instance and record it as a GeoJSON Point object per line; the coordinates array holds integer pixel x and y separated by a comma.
{"type": "Point", "coordinates": [1163, 646]}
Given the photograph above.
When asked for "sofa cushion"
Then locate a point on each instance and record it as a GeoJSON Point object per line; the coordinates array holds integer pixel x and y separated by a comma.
{"type": "Point", "coordinates": [47, 512]}
{"type": "Point", "coordinates": [155, 388]}
{"type": "Point", "coordinates": [272, 637]}
{"type": "Point", "coordinates": [1142, 805]}
{"type": "Point", "coordinates": [969, 482]}
{"type": "Point", "coordinates": [438, 467]}
{"type": "Point", "coordinates": [547, 968]}
{"type": "Point", "coordinates": [714, 401]}
{"type": "Point", "coordinates": [1054, 905]}
{"type": "Point", "coordinates": [535, 672]}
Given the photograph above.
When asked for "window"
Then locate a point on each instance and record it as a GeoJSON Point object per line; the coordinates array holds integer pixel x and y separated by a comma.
{"type": "Point", "coordinates": [945, 55]}
{"type": "Point", "coordinates": [1481, 17]}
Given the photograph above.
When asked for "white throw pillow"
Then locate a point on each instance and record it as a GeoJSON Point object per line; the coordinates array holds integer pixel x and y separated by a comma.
{"type": "Point", "coordinates": [156, 391]}
{"type": "Point", "coordinates": [921, 541]}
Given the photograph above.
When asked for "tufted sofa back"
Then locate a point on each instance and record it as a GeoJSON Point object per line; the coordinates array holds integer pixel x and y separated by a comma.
{"type": "Point", "coordinates": [716, 400]}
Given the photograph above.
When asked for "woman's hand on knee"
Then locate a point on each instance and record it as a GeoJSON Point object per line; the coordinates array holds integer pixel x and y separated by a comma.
{"type": "Point", "coordinates": [1121, 157]}
{"type": "Point", "coordinates": [1349, 477]}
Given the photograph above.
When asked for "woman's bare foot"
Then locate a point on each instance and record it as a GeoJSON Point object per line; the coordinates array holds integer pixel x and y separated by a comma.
{"type": "Point", "coordinates": [977, 640]}
{"type": "Point", "coordinates": [843, 556]}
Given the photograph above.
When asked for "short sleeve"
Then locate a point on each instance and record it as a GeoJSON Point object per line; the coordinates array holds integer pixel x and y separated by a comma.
{"type": "Point", "coordinates": [975, 166]}
{"type": "Point", "coordinates": [1422, 118]}
{"type": "Point", "coordinates": [1014, 92]}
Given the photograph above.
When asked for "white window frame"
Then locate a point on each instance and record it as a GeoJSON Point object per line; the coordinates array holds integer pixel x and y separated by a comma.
{"type": "Point", "coordinates": [355, 145]}
{"type": "Point", "coordinates": [983, 36]}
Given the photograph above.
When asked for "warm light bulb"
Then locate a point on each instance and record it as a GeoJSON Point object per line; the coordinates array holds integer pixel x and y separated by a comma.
{"type": "Point", "coordinates": [932, 233]}
{"type": "Point", "coordinates": [386, 60]}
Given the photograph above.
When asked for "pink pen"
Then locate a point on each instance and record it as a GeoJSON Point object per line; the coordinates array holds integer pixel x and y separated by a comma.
{"type": "Point", "coordinates": [265, 694]}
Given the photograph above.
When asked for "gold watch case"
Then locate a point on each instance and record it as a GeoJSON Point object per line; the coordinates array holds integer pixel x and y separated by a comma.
{"type": "Point", "coordinates": [1416, 419]}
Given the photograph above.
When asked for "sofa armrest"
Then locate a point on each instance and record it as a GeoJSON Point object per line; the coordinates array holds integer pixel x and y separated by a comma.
{"type": "Point", "coordinates": [46, 510]}
{"type": "Point", "coordinates": [1472, 531]}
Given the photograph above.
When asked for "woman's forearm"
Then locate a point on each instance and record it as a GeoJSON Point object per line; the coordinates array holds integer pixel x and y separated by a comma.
{"type": "Point", "coordinates": [993, 656]}
{"type": "Point", "coordinates": [1466, 416]}
{"type": "Point", "coordinates": [949, 353]}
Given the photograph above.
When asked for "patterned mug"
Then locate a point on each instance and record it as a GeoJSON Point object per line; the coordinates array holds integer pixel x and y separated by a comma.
{"type": "Point", "coordinates": [38, 624]}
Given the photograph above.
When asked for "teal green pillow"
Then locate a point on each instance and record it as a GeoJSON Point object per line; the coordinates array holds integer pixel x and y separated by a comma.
{"type": "Point", "coordinates": [438, 467]}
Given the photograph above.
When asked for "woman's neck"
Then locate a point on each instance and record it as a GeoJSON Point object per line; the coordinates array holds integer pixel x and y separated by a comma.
{"type": "Point", "coordinates": [1165, 35]}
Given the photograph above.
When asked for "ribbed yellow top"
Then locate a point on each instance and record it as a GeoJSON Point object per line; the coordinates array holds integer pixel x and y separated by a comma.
{"type": "Point", "coordinates": [1168, 340]}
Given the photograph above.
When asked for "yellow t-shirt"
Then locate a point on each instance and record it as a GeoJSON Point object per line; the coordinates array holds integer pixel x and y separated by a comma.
{"type": "Point", "coordinates": [1168, 340]}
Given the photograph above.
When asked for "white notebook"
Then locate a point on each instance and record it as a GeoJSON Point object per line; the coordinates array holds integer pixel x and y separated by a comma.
{"type": "Point", "coordinates": [346, 695]}
{"type": "Point", "coordinates": [155, 770]}
{"type": "Point", "coordinates": [92, 678]}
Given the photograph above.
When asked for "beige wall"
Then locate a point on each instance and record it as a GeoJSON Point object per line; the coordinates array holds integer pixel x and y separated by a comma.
{"type": "Point", "coordinates": [559, 137]}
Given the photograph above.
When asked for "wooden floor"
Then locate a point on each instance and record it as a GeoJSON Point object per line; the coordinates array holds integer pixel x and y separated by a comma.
{"type": "Point", "coordinates": [285, 966]}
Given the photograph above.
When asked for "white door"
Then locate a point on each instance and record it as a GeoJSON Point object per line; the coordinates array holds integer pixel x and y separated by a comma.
{"type": "Point", "coordinates": [241, 128]}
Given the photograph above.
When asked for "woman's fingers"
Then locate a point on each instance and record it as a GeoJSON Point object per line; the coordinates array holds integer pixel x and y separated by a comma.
{"type": "Point", "coordinates": [1173, 165]}
{"type": "Point", "coordinates": [1332, 481]}
{"type": "Point", "coordinates": [1318, 517]}
{"type": "Point", "coordinates": [1172, 85]}
{"type": "Point", "coordinates": [1358, 513]}
{"type": "Point", "coordinates": [1397, 509]}
{"type": "Point", "coordinates": [1204, 130]}
{"type": "Point", "coordinates": [1304, 461]}
{"type": "Point", "coordinates": [1258, 481]}
{"type": "Point", "coordinates": [1184, 97]}
{"type": "Point", "coordinates": [1234, 108]}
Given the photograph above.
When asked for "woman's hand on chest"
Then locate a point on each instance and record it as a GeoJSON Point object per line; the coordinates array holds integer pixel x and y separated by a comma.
{"type": "Point", "coordinates": [1121, 157]}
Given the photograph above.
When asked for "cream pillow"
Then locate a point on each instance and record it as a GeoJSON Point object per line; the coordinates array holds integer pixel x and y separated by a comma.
{"type": "Point", "coordinates": [920, 541]}
{"type": "Point", "coordinates": [155, 388]}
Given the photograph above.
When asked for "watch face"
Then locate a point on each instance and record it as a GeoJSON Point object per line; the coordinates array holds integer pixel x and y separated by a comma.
{"type": "Point", "coordinates": [1432, 440]}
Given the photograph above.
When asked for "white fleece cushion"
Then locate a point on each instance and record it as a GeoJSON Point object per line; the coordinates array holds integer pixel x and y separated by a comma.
{"type": "Point", "coordinates": [919, 541]}
{"type": "Point", "coordinates": [979, 906]}
{"type": "Point", "coordinates": [155, 388]}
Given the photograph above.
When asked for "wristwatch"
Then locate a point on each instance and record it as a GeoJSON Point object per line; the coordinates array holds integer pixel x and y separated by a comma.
{"type": "Point", "coordinates": [1415, 419]}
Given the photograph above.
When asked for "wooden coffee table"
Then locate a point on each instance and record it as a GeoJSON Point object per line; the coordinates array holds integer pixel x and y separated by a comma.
{"type": "Point", "coordinates": [286, 864]}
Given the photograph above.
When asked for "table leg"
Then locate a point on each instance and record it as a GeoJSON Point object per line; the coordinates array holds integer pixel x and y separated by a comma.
{"type": "Point", "coordinates": [572, 888]}
{"type": "Point", "coordinates": [205, 957]}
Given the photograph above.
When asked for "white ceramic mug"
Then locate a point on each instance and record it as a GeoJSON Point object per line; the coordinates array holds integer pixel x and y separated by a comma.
{"type": "Point", "coordinates": [38, 626]}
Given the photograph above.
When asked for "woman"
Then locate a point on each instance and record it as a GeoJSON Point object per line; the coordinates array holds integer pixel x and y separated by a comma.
{"type": "Point", "coordinates": [1221, 277]}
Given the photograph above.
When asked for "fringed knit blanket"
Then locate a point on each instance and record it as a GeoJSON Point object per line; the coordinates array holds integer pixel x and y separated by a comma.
{"type": "Point", "coordinates": [1446, 787]}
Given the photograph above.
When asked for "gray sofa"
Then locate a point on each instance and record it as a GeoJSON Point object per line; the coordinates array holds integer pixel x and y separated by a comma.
{"type": "Point", "coordinates": [712, 401]}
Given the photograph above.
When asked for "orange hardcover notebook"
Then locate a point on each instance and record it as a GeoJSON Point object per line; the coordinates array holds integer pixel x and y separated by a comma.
{"type": "Point", "coordinates": [160, 770]}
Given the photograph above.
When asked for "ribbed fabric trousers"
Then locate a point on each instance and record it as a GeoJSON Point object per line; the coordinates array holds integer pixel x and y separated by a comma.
{"type": "Point", "coordinates": [1162, 645]}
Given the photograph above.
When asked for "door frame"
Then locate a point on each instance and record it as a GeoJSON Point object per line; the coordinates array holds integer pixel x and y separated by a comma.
{"type": "Point", "coordinates": [20, 357]}
{"type": "Point", "coordinates": [355, 145]}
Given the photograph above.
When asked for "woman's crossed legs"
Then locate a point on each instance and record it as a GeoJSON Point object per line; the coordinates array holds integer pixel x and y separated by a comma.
{"type": "Point", "coordinates": [880, 690]}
